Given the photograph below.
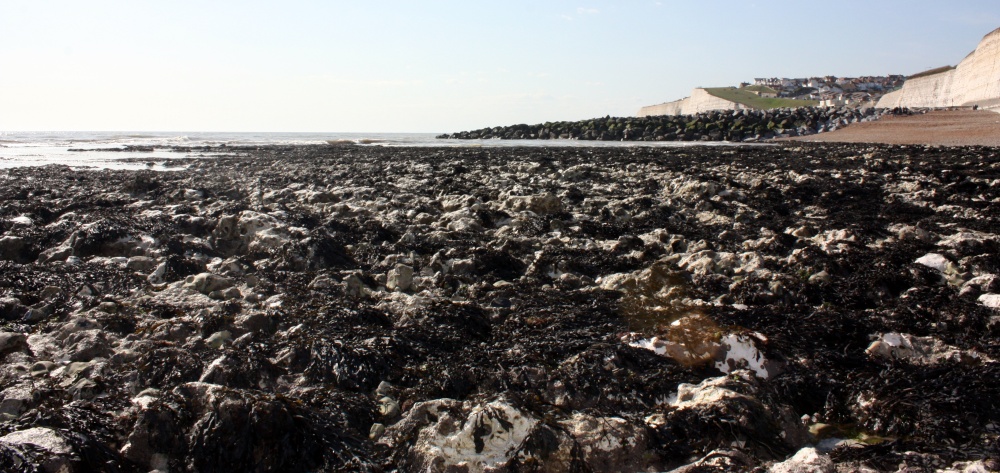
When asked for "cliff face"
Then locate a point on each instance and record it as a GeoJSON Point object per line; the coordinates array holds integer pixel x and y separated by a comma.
{"type": "Point", "coordinates": [975, 81]}
{"type": "Point", "coordinates": [699, 101]}
{"type": "Point", "coordinates": [670, 108]}
{"type": "Point", "coordinates": [928, 91]}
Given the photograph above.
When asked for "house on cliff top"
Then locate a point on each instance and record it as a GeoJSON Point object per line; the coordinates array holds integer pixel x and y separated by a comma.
{"type": "Point", "coordinates": [767, 93]}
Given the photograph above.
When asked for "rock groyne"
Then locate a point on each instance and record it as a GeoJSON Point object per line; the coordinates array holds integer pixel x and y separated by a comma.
{"type": "Point", "coordinates": [730, 125]}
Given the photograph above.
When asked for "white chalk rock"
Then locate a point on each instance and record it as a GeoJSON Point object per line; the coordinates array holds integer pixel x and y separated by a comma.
{"type": "Point", "coordinates": [835, 241]}
{"type": "Point", "coordinates": [254, 231]}
{"type": "Point", "coordinates": [977, 466]}
{"type": "Point", "coordinates": [17, 399]}
{"type": "Point", "coordinates": [454, 436]}
{"type": "Point", "coordinates": [806, 460]}
{"type": "Point", "coordinates": [178, 296]}
{"type": "Point", "coordinates": [693, 340]}
{"type": "Point", "coordinates": [921, 350]}
{"type": "Point", "coordinates": [207, 283]}
{"type": "Point", "coordinates": [12, 248]}
{"type": "Point", "coordinates": [990, 300]}
{"type": "Point", "coordinates": [543, 204]}
{"type": "Point", "coordinates": [607, 443]}
{"type": "Point", "coordinates": [399, 278]}
{"type": "Point", "coordinates": [742, 353]}
{"type": "Point", "coordinates": [156, 276]}
{"type": "Point", "coordinates": [967, 239]}
{"type": "Point", "coordinates": [936, 262]}
{"type": "Point", "coordinates": [58, 453]}
{"type": "Point", "coordinates": [693, 189]}
{"type": "Point", "coordinates": [22, 220]}
{"type": "Point", "coordinates": [11, 341]}
{"type": "Point", "coordinates": [712, 391]}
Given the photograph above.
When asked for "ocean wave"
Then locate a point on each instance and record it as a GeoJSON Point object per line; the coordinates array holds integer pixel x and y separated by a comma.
{"type": "Point", "coordinates": [356, 141]}
{"type": "Point", "coordinates": [116, 139]}
{"type": "Point", "coordinates": [340, 142]}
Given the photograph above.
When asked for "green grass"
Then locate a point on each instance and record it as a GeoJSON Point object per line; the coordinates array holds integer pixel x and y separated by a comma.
{"type": "Point", "coordinates": [760, 88]}
{"type": "Point", "coordinates": [749, 99]}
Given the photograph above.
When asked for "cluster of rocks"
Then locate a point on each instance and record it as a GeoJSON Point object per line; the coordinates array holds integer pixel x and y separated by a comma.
{"type": "Point", "coordinates": [721, 125]}
{"type": "Point", "coordinates": [814, 308]}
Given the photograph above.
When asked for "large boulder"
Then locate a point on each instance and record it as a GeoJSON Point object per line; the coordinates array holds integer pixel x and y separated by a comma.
{"type": "Point", "coordinates": [542, 204]}
{"type": "Point", "coordinates": [14, 249]}
{"type": "Point", "coordinates": [455, 436]}
{"type": "Point", "coordinates": [12, 341]}
{"type": "Point", "coordinates": [211, 428]}
{"type": "Point", "coordinates": [37, 447]}
{"type": "Point", "coordinates": [207, 283]}
{"type": "Point", "coordinates": [807, 460]}
{"type": "Point", "coordinates": [921, 350]}
{"type": "Point", "coordinates": [720, 412]}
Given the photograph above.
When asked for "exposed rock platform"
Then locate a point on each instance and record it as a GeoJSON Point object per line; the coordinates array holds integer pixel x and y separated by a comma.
{"type": "Point", "coordinates": [807, 308]}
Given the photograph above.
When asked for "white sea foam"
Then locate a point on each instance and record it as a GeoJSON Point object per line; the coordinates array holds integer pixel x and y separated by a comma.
{"type": "Point", "coordinates": [103, 149]}
{"type": "Point", "coordinates": [357, 141]}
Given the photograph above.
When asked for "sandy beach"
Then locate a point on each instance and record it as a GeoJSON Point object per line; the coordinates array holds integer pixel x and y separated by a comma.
{"type": "Point", "coordinates": [942, 127]}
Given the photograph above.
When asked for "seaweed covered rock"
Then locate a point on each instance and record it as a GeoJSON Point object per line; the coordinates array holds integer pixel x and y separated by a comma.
{"type": "Point", "coordinates": [354, 308]}
{"type": "Point", "coordinates": [451, 435]}
{"type": "Point", "coordinates": [496, 436]}
{"type": "Point", "coordinates": [206, 427]}
{"type": "Point", "coordinates": [36, 448]}
{"type": "Point", "coordinates": [720, 411]}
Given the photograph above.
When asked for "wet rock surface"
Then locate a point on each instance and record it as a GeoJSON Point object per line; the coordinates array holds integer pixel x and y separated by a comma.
{"type": "Point", "coordinates": [809, 308]}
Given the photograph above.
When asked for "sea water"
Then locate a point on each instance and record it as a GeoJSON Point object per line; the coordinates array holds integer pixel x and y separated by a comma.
{"type": "Point", "coordinates": [103, 150]}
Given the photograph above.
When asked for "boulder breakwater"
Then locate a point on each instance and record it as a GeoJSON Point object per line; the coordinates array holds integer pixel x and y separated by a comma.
{"type": "Point", "coordinates": [345, 308]}
{"type": "Point", "coordinates": [725, 125]}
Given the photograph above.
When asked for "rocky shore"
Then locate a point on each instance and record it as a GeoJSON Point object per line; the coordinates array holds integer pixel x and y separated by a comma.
{"type": "Point", "coordinates": [793, 308]}
{"type": "Point", "coordinates": [726, 125]}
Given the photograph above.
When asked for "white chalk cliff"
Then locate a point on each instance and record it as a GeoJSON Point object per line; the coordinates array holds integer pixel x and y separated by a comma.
{"type": "Point", "coordinates": [975, 81]}
{"type": "Point", "coordinates": [699, 101]}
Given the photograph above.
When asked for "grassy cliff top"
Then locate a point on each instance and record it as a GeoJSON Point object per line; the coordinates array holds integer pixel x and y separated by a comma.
{"type": "Point", "coordinates": [745, 97]}
{"type": "Point", "coordinates": [931, 72]}
{"type": "Point", "coordinates": [760, 88]}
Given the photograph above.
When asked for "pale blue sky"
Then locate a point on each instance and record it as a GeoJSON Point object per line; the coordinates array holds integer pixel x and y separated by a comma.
{"type": "Point", "coordinates": [435, 66]}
